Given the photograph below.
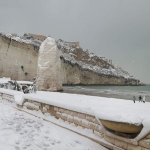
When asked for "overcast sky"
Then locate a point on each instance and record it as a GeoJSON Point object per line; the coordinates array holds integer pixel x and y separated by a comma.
{"type": "Point", "coordinates": [116, 29]}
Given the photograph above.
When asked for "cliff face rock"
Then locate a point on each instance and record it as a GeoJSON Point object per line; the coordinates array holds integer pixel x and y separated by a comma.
{"type": "Point", "coordinates": [80, 55]}
{"type": "Point", "coordinates": [94, 69]}
{"type": "Point", "coordinates": [19, 57]}
{"type": "Point", "coordinates": [49, 65]}
{"type": "Point", "coordinates": [75, 74]}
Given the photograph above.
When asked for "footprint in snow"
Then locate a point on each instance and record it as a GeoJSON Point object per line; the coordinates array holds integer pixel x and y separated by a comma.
{"type": "Point", "coordinates": [78, 142]}
{"type": "Point", "coordinates": [17, 148]}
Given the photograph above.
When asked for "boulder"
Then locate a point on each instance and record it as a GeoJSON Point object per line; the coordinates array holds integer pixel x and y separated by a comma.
{"type": "Point", "coordinates": [49, 67]}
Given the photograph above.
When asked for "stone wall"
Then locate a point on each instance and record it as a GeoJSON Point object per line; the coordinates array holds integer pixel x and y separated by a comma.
{"type": "Point", "coordinates": [17, 60]}
{"type": "Point", "coordinates": [79, 119]}
{"type": "Point", "coordinates": [89, 122]}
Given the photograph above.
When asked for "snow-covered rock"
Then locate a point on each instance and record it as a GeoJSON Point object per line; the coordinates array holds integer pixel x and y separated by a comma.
{"type": "Point", "coordinates": [20, 39]}
{"type": "Point", "coordinates": [89, 61]}
{"type": "Point", "coordinates": [118, 72]}
{"type": "Point", "coordinates": [49, 65]}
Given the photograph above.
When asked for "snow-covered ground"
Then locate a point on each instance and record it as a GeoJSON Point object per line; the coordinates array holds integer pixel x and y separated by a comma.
{"type": "Point", "coordinates": [21, 131]}
{"type": "Point", "coordinates": [4, 80]}
{"type": "Point", "coordinates": [24, 82]}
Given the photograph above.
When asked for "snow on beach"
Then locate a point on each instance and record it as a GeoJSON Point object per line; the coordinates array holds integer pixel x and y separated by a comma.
{"type": "Point", "coordinates": [23, 131]}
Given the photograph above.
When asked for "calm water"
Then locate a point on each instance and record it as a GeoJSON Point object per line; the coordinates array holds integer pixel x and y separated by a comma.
{"type": "Point", "coordinates": [124, 92]}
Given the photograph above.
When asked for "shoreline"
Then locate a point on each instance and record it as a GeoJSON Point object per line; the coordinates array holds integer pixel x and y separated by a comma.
{"type": "Point", "coordinates": [96, 94]}
{"type": "Point", "coordinates": [110, 92]}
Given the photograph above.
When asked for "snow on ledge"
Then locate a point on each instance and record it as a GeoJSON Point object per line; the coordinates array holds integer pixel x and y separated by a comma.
{"type": "Point", "coordinates": [18, 96]}
{"type": "Point", "coordinates": [25, 82]}
{"type": "Point", "coordinates": [10, 92]}
{"type": "Point", "coordinates": [4, 80]}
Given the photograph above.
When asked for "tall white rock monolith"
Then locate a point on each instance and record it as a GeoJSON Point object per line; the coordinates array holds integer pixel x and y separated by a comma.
{"type": "Point", "coordinates": [49, 67]}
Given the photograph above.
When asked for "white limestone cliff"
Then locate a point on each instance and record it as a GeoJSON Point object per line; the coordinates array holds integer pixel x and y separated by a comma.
{"type": "Point", "coordinates": [19, 57]}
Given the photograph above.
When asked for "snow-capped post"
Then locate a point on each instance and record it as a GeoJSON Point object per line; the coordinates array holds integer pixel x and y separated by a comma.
{"type": "Point", "coordinates": [49, 67]}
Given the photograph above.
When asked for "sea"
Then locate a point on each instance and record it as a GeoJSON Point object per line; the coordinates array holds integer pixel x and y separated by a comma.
{"type": "Point", "coordinates": [118, 92]}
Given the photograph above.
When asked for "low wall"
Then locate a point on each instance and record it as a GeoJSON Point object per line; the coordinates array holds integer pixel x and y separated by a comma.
{"type": "Point", "coordinates": [79, 119]}
{"type": "Point", "coordinates": [85, 121]}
